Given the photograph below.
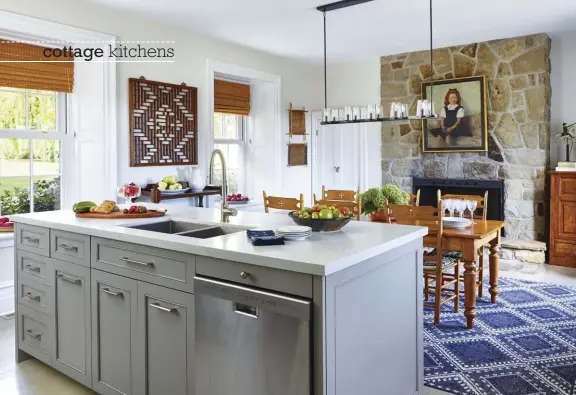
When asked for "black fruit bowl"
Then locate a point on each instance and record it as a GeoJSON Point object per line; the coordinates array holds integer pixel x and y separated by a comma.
{"type": "Point", "coordinates": [320, 225]}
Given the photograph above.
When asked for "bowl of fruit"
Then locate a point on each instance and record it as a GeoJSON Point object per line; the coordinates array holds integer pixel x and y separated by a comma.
{"type": "Point", "coordinates": [170, 186]}
{"type": "Point", "coordinates": [237, 198]}
{"type": "Point", "coordinates": [322, 218]}
{"type": "Point", "coordinates": [6, 225]}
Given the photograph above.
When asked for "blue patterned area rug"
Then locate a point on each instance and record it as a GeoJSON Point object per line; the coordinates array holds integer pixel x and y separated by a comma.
{"type": "Point", "coordinates": [525, 344]}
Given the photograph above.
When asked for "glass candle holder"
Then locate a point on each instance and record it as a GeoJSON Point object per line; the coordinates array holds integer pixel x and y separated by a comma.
{"type": "Point", "coordinates": [347, 113]}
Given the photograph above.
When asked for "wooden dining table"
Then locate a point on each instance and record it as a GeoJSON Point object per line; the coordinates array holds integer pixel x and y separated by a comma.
{"type": "Point", "coordinates": [469, 240]}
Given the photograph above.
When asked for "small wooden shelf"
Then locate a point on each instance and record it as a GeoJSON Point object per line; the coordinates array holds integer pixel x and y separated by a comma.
{"type": "Point", "coordinates": [157, 198]}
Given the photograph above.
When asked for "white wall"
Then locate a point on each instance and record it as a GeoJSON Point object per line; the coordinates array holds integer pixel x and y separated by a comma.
{"type": "Point", "coordinates": [563, 81]}
{"type": "Point", "coordinates": [191, 51]}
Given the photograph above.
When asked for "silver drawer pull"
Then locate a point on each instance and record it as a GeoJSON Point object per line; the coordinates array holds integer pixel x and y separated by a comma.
{"type": "Point", "coordinates": [244, 275]}
{"type": "Point", "coordinates": [68, 248]}
{"type": "Point", "coordinates": [166, 309]}
{"type": "Point", "coordinates": [107, 291]}
{"type": "Point", "coordinates": [30, 296]}
{"type": "Point", "coordinates": [70, 280]}
{"type": "Point", "coordinates": [32, 239]}
{"type": "Point", "coordinates": [34, 335]}
{"type": "Point", "coordinates": [128, 260]}
{"type": "Point", "coordinates": [32, 268]}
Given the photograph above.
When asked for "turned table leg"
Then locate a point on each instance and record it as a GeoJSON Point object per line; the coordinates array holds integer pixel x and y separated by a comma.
{"type": "Point", "coordinates": [494, 267]}
{"type": "Point", "coordinates": [470, 292]}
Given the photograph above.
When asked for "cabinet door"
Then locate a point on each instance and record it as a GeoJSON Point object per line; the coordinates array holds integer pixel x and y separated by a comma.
{"type": "Point", "coordinates": [72, 331]}
{"type": "Point", "coordinates": [165, 341]}
{"type": "Point", "coordinates": [114, 309]}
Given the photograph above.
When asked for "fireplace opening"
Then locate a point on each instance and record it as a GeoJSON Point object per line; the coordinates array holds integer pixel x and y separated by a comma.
{"type": "Point", "coordinates": [429, 186]}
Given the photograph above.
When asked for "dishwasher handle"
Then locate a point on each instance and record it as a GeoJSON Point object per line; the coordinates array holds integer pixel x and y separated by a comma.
{"type": "Point", "coordinates": [247, 301]}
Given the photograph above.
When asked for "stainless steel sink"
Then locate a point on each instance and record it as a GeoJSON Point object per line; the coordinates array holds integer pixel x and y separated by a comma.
{"type": "Point", "coordinates": [188, 229]}
{"type": "Point", "coordinates": [170, 226]}
{"type": "Point", "coordinates": [211, 232]}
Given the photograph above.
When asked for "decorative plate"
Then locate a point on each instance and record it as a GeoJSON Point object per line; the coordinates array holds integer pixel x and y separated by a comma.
{"type": "Point", "coordinates": [173, 191]}
{"type": "Point", "coordinates": [455, 222]}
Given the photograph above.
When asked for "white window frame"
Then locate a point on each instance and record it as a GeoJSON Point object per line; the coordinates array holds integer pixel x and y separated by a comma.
{"type": "Point", "coordinates": [61, 134]}
{"type": "Point", "coordinates": [83, 131]}
{"type": "Point", "coordinates": [241, 141]}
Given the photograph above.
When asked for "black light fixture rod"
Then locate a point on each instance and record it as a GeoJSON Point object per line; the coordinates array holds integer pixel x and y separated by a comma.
{"type": "Point", "coordinates": [340, 4]}
{"type": "Point", "coordinates": [431, 63]}
{"type": "Point", "coordinates": [325, 78]}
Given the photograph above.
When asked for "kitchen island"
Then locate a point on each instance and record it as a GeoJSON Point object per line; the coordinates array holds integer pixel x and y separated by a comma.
{"type": "Point", "coordinates": [186, 305]}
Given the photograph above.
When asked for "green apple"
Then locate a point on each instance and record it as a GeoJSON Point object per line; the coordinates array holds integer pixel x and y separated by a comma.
{"type": "Point", "coordinates": [314, 215]}
{"type": "Point", "coordinates": [326, 214]}
{"type": "Point", "coordinates": [337, 214]}
{"type": "Point", "coordinates": [162, 185]}
{"type": "Point", "coordinates": [170, 180]}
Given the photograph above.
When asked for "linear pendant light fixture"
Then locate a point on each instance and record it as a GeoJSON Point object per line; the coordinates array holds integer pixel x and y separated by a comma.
{"type": "Point", "coordinates": [425, 108]}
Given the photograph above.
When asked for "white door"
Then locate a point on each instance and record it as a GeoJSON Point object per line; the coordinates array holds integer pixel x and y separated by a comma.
{"type": "Point", "coordinates": [336, 156]}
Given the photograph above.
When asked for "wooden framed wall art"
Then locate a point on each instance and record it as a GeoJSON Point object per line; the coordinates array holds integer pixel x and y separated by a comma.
{"type": "Point", "coordinates": [163, 123]}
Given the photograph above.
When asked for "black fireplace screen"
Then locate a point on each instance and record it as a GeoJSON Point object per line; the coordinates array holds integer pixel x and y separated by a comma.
{"type": "Point", "coordinates": [429, 186]}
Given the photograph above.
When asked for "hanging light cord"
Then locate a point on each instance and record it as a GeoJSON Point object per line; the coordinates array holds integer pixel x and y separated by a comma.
{"type": "Point", "coordinates": [431, 64]}
{"type": "Point", "coordinates": [325, 78]}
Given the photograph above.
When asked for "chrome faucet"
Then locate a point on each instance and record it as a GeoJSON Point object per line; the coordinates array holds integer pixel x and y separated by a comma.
{"type": "Point", "coordinates": [225, 211]}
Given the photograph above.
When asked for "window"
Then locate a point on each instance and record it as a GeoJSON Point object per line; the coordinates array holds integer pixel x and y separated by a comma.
{"type": "Point", "coordinates": [229, 137]}
{"type": "Point", "coordinates": [32, 132]}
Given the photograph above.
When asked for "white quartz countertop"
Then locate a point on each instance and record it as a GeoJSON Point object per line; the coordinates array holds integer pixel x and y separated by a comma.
{"type": "Point", "coordinates": [321, 254]}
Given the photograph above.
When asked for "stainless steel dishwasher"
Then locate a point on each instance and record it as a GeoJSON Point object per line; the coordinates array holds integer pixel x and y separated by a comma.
{"type": "Point", "coordinates": [251, 342]}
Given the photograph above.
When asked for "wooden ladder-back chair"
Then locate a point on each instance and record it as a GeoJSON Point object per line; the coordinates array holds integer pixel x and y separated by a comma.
{"type": "Point", "coordinates": [444, 271]}
{"type": "Point", "coordinates": [415, 198]}
{"type": "Point", "coordinates": [341, 198]}
{"type": "Point", "coordinates": [482, 204]}
{"type": "Point", "coordinates": [282, 203]}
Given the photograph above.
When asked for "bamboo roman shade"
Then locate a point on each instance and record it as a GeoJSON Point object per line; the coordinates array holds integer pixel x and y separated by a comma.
{"type": "Point", "coordinates": [231, 97]}
{"type": "Point", "coordinates": [52, 76]}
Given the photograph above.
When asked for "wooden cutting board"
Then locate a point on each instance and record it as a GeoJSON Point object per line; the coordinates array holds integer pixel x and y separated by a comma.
{"type": "Point", "coordinates": [121, 215]}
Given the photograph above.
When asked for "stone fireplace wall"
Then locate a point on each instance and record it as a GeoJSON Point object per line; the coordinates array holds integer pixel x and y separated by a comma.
{"type": "Point", "coordinates": [518, 103]}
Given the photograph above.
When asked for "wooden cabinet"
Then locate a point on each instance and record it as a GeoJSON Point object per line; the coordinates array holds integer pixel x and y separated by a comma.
{"type": "Point", "coordinates": [72, 329]}
{"type": "Point", "coordinates": [563, 219]}
{"type": "Point", "coordinates": [114, 323]}
{"type": "Point", "coordinates": [165, 341]}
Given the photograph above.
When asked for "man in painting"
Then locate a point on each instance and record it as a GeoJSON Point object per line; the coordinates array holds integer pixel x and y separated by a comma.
{"type": "Point", "coordinates": [451, 118]}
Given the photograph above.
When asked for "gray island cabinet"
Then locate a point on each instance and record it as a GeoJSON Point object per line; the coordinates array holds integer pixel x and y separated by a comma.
{"type": "Point", "coordinates": [128, 311]}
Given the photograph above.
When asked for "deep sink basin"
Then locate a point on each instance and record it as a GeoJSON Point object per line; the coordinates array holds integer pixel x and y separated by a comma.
{"type": "Point", "coordinates": [188, 229]}
{"type": "Point", "coordinates": [170, 226]}
{"type": "Point", "coordinates": [215, 231]}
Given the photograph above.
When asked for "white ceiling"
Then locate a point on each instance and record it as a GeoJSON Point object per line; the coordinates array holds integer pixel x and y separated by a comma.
{"type": "Point", "coordinates": [293, 28]}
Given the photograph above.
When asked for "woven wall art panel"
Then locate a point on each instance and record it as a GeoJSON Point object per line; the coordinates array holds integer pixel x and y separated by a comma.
{"type": "Point", "coordinates": [297, 154]}
{"type": "Point", "coordinates": [163, 124]}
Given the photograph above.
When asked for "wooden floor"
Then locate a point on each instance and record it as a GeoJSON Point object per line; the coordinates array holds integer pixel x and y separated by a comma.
{"type": "Point", "coordinates": [34, 378]}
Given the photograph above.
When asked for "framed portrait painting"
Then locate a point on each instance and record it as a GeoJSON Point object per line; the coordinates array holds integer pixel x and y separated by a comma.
{"type": "Point", "coordinates": [462, 124]}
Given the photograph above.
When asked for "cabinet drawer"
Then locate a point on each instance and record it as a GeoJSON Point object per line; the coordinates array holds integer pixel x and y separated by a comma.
{"type": "Point", "coordinates": [564, 249]}
{"type": "Point", "coordinates": [70, 247]}
{"type": "Point", "coordinates": [33, 239]}
{"type": "Point", "coordinates": [33, 265]}
{"type": "Point", "coordinates": [34, 295]}
{"type": "Point", "coordinates": [163, 267]}
{"type": "Point", "coordinates": [258, 276]}
{"type": "Point", "coordinates": [34, 333]}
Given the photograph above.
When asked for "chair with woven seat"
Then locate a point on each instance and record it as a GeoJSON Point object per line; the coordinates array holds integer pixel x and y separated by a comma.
{"type": "Point", "coordinates": [282, 203]}
{"type": "Point", "coordinates": [482, 204]}
{"type": "Point", "coordinates": [444, 271]}
{"type": "Point", "coordinates": [341, 198]}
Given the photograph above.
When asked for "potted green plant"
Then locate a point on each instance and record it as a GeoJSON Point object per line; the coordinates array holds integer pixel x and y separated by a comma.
{"type": "Point", "coordinates": [375, 200]}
